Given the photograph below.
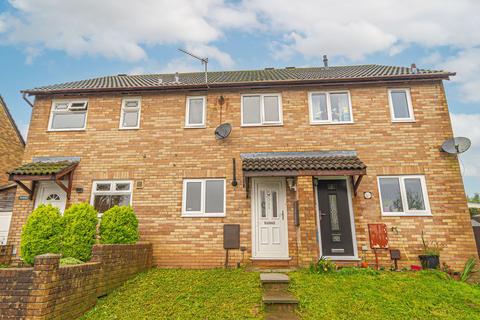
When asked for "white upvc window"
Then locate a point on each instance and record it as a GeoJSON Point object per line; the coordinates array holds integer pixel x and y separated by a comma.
{"type": "Point", "coordinates": [106, 194]}
{"type": "Point", "coordinates": [203, 198]}
{"type": "Point", "coordinates": [330, 107]}
{"type": "Point", "coordinates": [403, 195]}
{"type": "Point", "coordinates": [401, 108]}
{"type": "Point", "coordinates": [67, 115]}
{"type": "Point", "coordinates": [196, 112]}
{"type": "Point", "coordinates": [261, 109]}
{"type": "Point", "coordinates": [130, 113]}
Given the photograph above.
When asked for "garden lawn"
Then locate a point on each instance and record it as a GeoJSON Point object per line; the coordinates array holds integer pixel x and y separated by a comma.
{"type": "Point", "coordinates": [388, 295]}
{"type": "Point", "coordinates": [184, 294]}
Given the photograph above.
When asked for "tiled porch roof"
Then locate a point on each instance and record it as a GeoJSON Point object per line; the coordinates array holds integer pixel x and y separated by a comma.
{"type": "Point", "coordinates": [301, 161]}
{"type": "Point", "coordinates": [42, 168]}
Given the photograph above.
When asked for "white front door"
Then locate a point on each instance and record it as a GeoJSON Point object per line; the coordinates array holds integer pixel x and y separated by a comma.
{"type": "Point", "coordinates": [269, 219]}
{"type": "Point", "coordinates": [5, 218]}
{"type": "Point", "coordinates": [49, 192]}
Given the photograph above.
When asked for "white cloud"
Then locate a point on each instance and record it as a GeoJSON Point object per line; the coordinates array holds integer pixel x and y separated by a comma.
{"type": "Point", "coordinates": [468, 125]}
{"type": "Point", "coordinates": [121, 29]}
{"type": "Point", "coordinates": [467, 66]}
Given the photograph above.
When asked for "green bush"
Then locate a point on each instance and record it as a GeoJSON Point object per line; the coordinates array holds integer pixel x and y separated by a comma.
{"type": "Point", "coordinates": [70, 261]}
{"type": "Point", "coordinates": [80, 227]}
{"type": "Point", "coordinates": [42, 233]}
{"type": "Point", "coordinates": [119, 225]}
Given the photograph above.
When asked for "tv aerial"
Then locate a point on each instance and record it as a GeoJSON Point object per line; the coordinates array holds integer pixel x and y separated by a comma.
{"type": "Point", "coordinates": [203, 60]}
{"type": "Point", "coordinates": [456, 145]}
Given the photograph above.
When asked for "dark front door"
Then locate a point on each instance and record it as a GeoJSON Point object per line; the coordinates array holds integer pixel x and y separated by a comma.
{"type": "Point", "coordinates": [335, 222]}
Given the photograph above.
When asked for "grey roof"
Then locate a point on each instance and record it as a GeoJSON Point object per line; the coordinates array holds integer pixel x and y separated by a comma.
{"type": "Point", "coordinates": [315, 160]}
{"type": "Point", "coordinates": [219, 79]}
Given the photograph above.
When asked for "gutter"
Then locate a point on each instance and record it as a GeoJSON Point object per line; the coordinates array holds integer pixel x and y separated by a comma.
{"type": "Point", "coordinates": [248, 85]}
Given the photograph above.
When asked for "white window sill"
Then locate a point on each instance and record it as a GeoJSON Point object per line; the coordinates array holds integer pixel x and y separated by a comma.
{"type": "Point", "coordinates": [403, 120]}
{"type": "Point", "coordinates": [203, 215]}
{"type": "Point", "coordinates": [132, 128]}
{"type": "Point", "coordinates": [262, 125]}
{"type": "Point", "coordinates": [60, 130]}
{"type": "Point", "coordinates": [195, 127]}
{"type": "Point", "coordinates": [270, 258]}
{"type": "Point", "coordinates": [328, 123]}
{"type": "Point", "coordinates": [407, 215]}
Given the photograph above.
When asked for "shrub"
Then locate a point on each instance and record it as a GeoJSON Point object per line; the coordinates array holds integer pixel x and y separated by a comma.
{"type": "Point", "coordinates": [119, 225]}
{"type": "Point", "coordinates": [70, 261]}
{"type": "Point", "coordinates": [355, 270]}
{"type": "Point", "coordinates": [323, 266]}
{"type": "Point", "coordinates": [42, 233]}
{"type": "Point", "coordinates": [80, 227]}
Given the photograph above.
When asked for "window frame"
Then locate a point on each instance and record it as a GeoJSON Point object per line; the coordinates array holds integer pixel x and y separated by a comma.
{"type": "Point", "coordinates": [409, 105]}
{"type": "Point", "coordinates": [69, 102]}
{"type": "Point", "coordinates": [329, 107]}
{"type": "Point", "coordinates": [110, 192]}
{"type": "Point", "coordinates": [201, 213]}
{"type": "Point", "coordinates": [262, 122]}
{"type": "Point", "coordinates": [187, 113]}
{"type": "Point", "coordinates": [122, 112]}
{"type": "Point", "coordinates": [403, 193]}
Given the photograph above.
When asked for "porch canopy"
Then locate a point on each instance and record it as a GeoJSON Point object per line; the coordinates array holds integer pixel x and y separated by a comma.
{"type": "Point", "coordinates": [44, 171]}
{"type": "Point", "coordinates": [311, 163]}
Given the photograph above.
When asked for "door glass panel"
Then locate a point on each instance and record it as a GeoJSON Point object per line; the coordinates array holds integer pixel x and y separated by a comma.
{"type": "Point", "coordinates": [274, 204]}
{"type": "Point", "coordinates": [53, 197]}
{"type": "Point", "coordinates": [391, 196]}
{"type": "Point", "coordinates": [332, 199]}
{"type": "Point", "coordinates": [262, 204]}
{"type": "Point", "coordinates": [415, 200]}
{"type": "Point", "coordinates": [101, 203]}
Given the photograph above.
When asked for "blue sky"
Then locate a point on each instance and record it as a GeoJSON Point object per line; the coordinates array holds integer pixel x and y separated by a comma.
{"type": "Point", "coordinates": [51, 41]}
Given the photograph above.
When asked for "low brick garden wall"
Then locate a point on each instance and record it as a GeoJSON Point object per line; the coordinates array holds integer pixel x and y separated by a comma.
{"type": "Point", "coordinates": [51, 291]}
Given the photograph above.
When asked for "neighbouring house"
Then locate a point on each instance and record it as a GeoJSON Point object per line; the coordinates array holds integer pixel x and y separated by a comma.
{"type": "Point", "coordinates": [476, 224]}
{"type": "Point", "coordinates": [314, 156]}
{"type": "Point", "coordinates": [11, 154]}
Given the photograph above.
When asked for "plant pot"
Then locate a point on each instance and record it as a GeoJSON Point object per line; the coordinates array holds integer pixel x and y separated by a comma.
{"type": "Point", "coordinates": [364, 264]}
{"type": "Point", "coordinates": [429, 262]}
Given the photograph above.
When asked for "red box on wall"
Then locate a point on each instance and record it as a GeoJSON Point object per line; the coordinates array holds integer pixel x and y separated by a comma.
{"type": "Point", "coordinates": [378, 236]}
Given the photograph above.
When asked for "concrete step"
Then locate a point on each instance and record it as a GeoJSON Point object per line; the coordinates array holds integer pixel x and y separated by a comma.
{"type": "Point", "coordinates": [279, 301]}
{"type": "Point", "coordinates": [281, 316]}
{"type": "Point", "coordinates": [274, 281]}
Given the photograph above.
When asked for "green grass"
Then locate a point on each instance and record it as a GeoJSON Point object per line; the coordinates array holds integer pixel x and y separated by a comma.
{"type": "Point", "coordinates": [184, 294]}
{"type": "Point", "coordinates": [387, 295]}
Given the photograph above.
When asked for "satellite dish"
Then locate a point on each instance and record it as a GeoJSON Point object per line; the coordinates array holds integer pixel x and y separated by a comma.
{"type": "Point", "coordinates": [223, 131]}
{"type": "Point", "coordinates": [456, 145]}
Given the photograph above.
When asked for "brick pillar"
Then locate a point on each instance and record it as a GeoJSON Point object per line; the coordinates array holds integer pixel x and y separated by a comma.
{"type": "Point", "coordinates": [45, 279]}
{"type": "Point", "coordinates": [307, 231]}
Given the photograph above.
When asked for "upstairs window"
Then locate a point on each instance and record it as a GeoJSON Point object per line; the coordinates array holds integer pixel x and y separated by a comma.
{"type": "Point", "coordinates": [203, 198]}
{"type": "Point", "coordinates": [68, 115]}
{"type": "Point", "coordinates": [107, 194]}
{"type": "Point", "coordinates": [330, 107]}
{"type": "Point", "coordinates": [130, 114]}
{"type": "Point", "coordinates": [261, 109]}
{"type": "Point", "coordinates": [400, 105]}
{"type": "Point", "coordinates": [403, 195]}
{"type": "Point", "coordinates": [195, 114]}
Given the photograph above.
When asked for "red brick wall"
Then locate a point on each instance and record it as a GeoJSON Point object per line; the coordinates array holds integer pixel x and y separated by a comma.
{"type": "Point", "coordinates": [50, 291]}
{"type": "Point", "coordinates": [162, 153]}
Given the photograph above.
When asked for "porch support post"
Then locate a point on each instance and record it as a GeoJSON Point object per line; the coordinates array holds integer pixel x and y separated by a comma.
{"type": "Point", "coordinates": [307, 242]}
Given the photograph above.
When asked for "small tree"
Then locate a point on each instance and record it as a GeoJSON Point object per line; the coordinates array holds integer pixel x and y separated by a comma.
{"type": "Point", "coordinates": [119, 225]}
{"type": "Point", "coordinates": [80, 227]}
{"type": "Point", "coordinates": [42, 233]}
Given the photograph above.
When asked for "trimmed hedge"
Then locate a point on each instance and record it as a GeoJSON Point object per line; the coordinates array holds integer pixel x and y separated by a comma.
{"type": "Point", "coordinates": [42, 233]}
{"type": "Point", "coordinates": [80, 228]}
{"type": "Point", "coordinates": [119, 225]}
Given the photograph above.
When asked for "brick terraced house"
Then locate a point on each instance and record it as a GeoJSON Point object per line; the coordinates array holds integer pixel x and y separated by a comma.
{"type": "Point", "coordinates": [314, 156]}
{"type": "Point", "coordinates": [11, 154]}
